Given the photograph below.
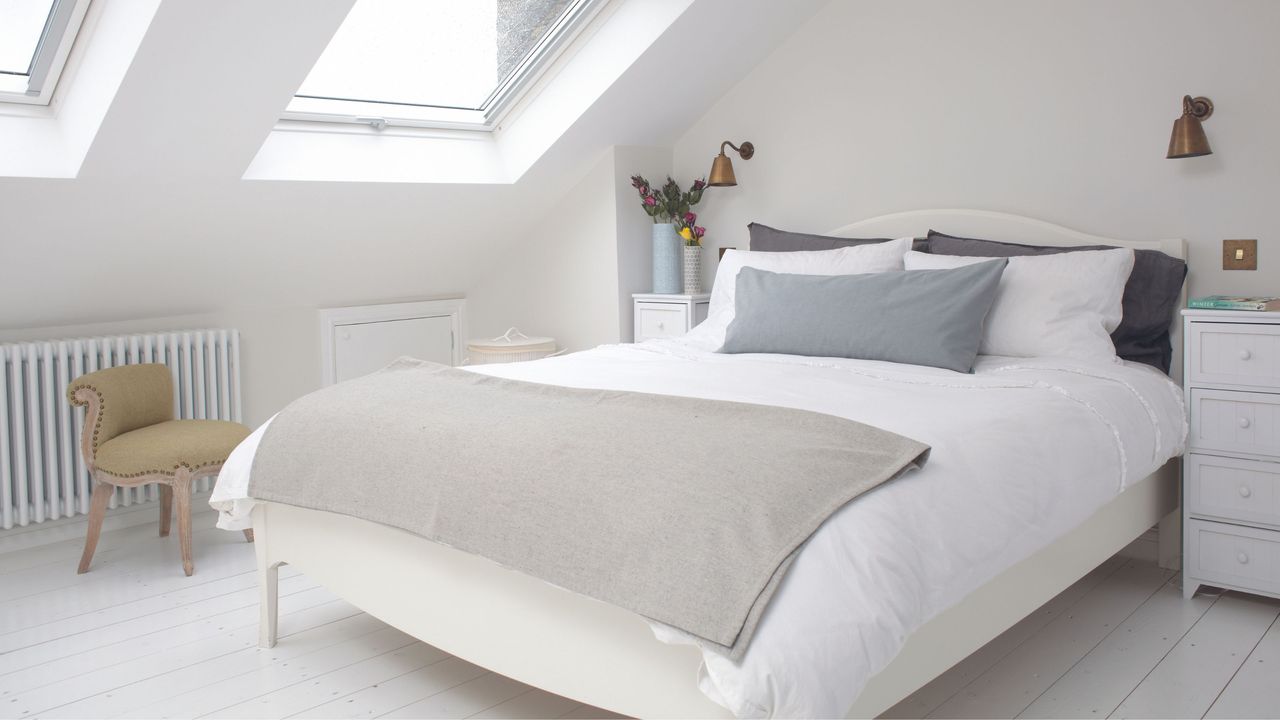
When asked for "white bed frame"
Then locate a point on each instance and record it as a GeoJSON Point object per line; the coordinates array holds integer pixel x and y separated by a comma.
{"type": "Point", "coordinates": [603, 655]}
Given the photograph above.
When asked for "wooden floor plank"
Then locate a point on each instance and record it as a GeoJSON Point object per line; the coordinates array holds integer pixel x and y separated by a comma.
{"type": "Point", "coordinates": [1021, 676]}
{"type": "Point", "coordinates": [588, 712]}
{"type": "Point", "coordinates": [339, 682]}
{"type": "Point", "coordinates": [263, 678]}
{"type": "Point", "coordinates": [1189, 679]}
{"type": "Point", "coordinates": [146, 683]}
{"type": "Point", "coordinates": [397, 692]}
{"type": "Point", "coordinates": [68, 551]}
{"type": "Point", "coordinates": [942, 688]}
{"type": "Point", "coordinates": [141, 608]}
{"type": "Point", "coordinates": [1102, 679]}
{"type": "Point", "coordinates": [532, 704]}
{"type": "Point", "coordinates": [56, 683]}
{"type": "Point", "coordinates": [1254, 692]}
{"type": "Point", "coordinates": [220, 608]}
{"type": "Point", "coordinates": [156, 571]}
{"type": "Point", "coordinates": [463, 700]}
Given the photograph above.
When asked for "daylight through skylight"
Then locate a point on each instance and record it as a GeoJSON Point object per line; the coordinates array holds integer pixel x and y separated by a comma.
{"type": "Point", "coordinates": [20, 32]}
{"type": "Point", "coordinates": [431, 53]}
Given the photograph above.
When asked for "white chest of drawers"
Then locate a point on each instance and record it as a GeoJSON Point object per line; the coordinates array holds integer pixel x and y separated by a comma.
{"type": "Point", "coordinates": [659, 316]}
{"type": "Point", "coordinates": [1231, 472]}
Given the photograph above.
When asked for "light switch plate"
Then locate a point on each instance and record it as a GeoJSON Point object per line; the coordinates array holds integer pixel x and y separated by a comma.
{"type": "Point", "coordinates": [1239, 254]}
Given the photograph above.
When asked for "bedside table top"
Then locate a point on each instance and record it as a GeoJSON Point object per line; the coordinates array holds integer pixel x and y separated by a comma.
{"type": "Point", "coordinates": [659, 297]}
{"type": "Point", "coordinates": [1243, 316]}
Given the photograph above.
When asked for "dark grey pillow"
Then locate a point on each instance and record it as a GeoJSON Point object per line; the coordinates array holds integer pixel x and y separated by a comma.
{"type": "Point", "coordinates": [919, 317]}
{"type": "Point", "coordinates": [1150, 295]}
{"type": "Point", "coordinates": [767, 239]}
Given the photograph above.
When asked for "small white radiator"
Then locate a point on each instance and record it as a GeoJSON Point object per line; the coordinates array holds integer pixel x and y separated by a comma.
{"type": "Point", "coordinates": [42, 475]}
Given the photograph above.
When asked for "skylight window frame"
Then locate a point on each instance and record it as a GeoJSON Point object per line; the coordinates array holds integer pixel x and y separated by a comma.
{"type": "Point", "coordinates": [50, 57]}
{"type": "Point", "coordinates": [488, 117]}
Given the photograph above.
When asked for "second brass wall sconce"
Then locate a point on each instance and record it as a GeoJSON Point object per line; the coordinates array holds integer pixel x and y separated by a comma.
{"type": "Point", "coordinates": [1188, 139]}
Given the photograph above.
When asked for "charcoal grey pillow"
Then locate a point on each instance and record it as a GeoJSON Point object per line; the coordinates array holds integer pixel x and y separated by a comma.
{"type": "Point", "coordinates": [769, 239]}
{"type": "Point", "coordinates": [1150, 296]}
{"type": "Point", "coordinates": [919, 317]}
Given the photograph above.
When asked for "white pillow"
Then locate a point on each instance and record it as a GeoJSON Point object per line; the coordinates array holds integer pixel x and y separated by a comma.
{"type": "Point", "coordinates": [1062, 305]}
{"type": "Point", "coordinates": [852, 260]}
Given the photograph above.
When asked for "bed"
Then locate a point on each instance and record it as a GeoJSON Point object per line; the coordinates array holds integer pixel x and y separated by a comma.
{"type": "Point", "coordinates": [956, 578]}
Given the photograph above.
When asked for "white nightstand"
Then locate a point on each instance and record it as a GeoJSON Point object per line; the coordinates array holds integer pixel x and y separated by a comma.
{"type": "Point", "coordinates": [659, 316]}
{"type": "Point", "coordinates": [1231, 473]}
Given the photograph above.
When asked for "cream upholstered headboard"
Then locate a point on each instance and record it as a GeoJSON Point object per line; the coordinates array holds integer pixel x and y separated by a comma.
{"type": "Point", "coordinates": [989, 225]}
{"type": "Point", "coordinates": [1004, 227]}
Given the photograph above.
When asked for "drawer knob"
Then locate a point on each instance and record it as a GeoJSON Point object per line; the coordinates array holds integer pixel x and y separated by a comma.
{"type": "Point", "coordinates": [1243, 422]}
{"type": "Point", "coordinates": [1243, 558]}
{"type": "Point", "coordinates": [1245, 491]}
{"type": "Point", "coordinates": [661, 326]}
{"type": "Point", "coordinates": [1245, 354]}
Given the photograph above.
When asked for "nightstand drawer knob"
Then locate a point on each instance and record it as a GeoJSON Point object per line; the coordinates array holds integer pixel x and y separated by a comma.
{"type": "Point", "coordinates": [1243, 422]}
{"type": "Point", "coordinates": [1245, 491]}
{"type": "Point", "coordinates": [1243, 558]}
{"type": "Point", "coordinates": [1245, 354]}
{"type": "Point", "coordinates": [662, 326]}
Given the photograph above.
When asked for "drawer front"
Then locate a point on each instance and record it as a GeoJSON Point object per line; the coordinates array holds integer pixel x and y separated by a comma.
{"type": "Point", "coordinates": [1233, 489]}
{"type": "Point", "coordinates": [659, 320]}
{"type": "Point", "coordinates": [1234, 354]}
{"type": "Point", "coordinates": [1230, 421]}
{"type": "Point", "coordinates": [1241, 556]}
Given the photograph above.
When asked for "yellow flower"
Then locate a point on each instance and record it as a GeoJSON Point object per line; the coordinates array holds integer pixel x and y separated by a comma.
{"type": "Point", "coordinates": [686, 233]}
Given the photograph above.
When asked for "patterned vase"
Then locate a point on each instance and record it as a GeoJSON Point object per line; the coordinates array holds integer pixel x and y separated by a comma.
{"type": "Point", "coordinates": [692, 269]}
{"type": "Point", "coordinates": [666, 259]}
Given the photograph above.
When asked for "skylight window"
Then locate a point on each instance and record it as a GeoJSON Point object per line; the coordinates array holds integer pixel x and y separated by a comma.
{"type": "Point", "coordinates": [35, 39]}
{"type": "Point", "coordinates": [440, 63]}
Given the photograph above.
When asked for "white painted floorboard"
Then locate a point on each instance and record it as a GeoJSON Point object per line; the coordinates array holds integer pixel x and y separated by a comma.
{"type": "Point", "coordinates": [134, 638]}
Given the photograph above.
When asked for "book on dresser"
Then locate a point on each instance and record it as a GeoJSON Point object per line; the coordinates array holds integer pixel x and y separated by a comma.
{"type": "Point", "coordinates": [1231, 469]}
{"type": "Point", "coordinates": [1233, 302]}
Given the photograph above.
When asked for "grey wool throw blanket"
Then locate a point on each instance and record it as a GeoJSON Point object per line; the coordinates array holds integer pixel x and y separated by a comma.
{"type": "Point", "coordinates": [685, 511]}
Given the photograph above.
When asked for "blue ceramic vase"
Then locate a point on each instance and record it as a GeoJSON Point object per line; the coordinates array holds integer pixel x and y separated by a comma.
{"type": "Point", "coordinates": [667, 259]}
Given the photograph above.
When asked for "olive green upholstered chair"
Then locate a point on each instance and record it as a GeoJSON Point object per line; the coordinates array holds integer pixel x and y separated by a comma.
{"type": "Point", "coordinates": [131, 438]}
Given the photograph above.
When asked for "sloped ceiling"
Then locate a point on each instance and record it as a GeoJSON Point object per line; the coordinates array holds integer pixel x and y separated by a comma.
{"type": "Point", "coordinates": [160, 222]}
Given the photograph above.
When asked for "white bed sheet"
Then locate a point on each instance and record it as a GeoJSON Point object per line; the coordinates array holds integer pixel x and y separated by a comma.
{"type": "Point", "coordinates": [1023, 451]}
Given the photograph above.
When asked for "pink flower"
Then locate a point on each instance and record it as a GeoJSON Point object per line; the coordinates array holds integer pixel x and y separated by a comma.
{"type": "Point", "coordinates": [649, 201]}
{"type": "Point", "coordinates": [699, 231]}
{"type": "Point", "coordinates": [690, 218]}
{"type": "Point", "coordinates": [699, 184]}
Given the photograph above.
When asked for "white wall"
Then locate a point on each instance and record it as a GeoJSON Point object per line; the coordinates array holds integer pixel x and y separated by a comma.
{"type": "Point", "coordinates": [1057, 110]}
{"type": "Point", "coordinates": [570, 274]}
{"type": "Point", "coordinates": [556, 278]}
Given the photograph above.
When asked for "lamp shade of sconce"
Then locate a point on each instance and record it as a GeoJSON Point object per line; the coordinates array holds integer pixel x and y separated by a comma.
{"type": "Point", "coordinates": [1188, 139]}
{"type": "Point", "coordinates": [721, 174]}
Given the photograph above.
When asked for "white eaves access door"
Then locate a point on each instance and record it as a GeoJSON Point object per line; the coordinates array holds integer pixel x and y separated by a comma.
{"type": "Point", "coordinates": [358, 340]}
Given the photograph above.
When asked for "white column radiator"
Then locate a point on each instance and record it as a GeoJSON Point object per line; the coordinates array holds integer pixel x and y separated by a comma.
{"type": "Point", "coordinates": [42, 475]}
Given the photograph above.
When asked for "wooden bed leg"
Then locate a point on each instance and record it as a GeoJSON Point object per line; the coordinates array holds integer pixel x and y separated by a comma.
{"type": "Point", "coordinates": [268, 591]}
{"type": "Point", "coordinates": [1169, 537]}
{"type": "Point", "coordinates": [268, 582]}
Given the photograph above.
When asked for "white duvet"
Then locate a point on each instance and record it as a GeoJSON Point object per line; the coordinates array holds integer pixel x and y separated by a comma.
{"type": "Point", "coordinates": [1023, 451]}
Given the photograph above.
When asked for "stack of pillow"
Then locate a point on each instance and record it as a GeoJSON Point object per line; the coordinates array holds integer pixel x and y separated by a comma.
{"type": "Point", "coordinates": [839, 297]}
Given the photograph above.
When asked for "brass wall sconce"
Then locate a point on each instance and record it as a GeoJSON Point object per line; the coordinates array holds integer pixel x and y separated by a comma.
{"type": "Point", "coordinates": [1188, 139]}
{"type": "Point", "coordinates": [721, 174]}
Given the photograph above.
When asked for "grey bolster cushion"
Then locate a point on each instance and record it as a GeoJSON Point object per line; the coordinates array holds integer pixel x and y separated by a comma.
{"type": "Point", "coordinates": [918, 317]}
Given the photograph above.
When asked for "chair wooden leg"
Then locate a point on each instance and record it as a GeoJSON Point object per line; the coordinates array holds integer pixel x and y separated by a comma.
{"type": "Point", "coordinates": [182, 494]}
{"type": "Point", "coordinates": [97, 511]}
{"type": "Point", "coordinates": [248, 534]}
{"type": "Point", "coordinates": [166, 508]}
